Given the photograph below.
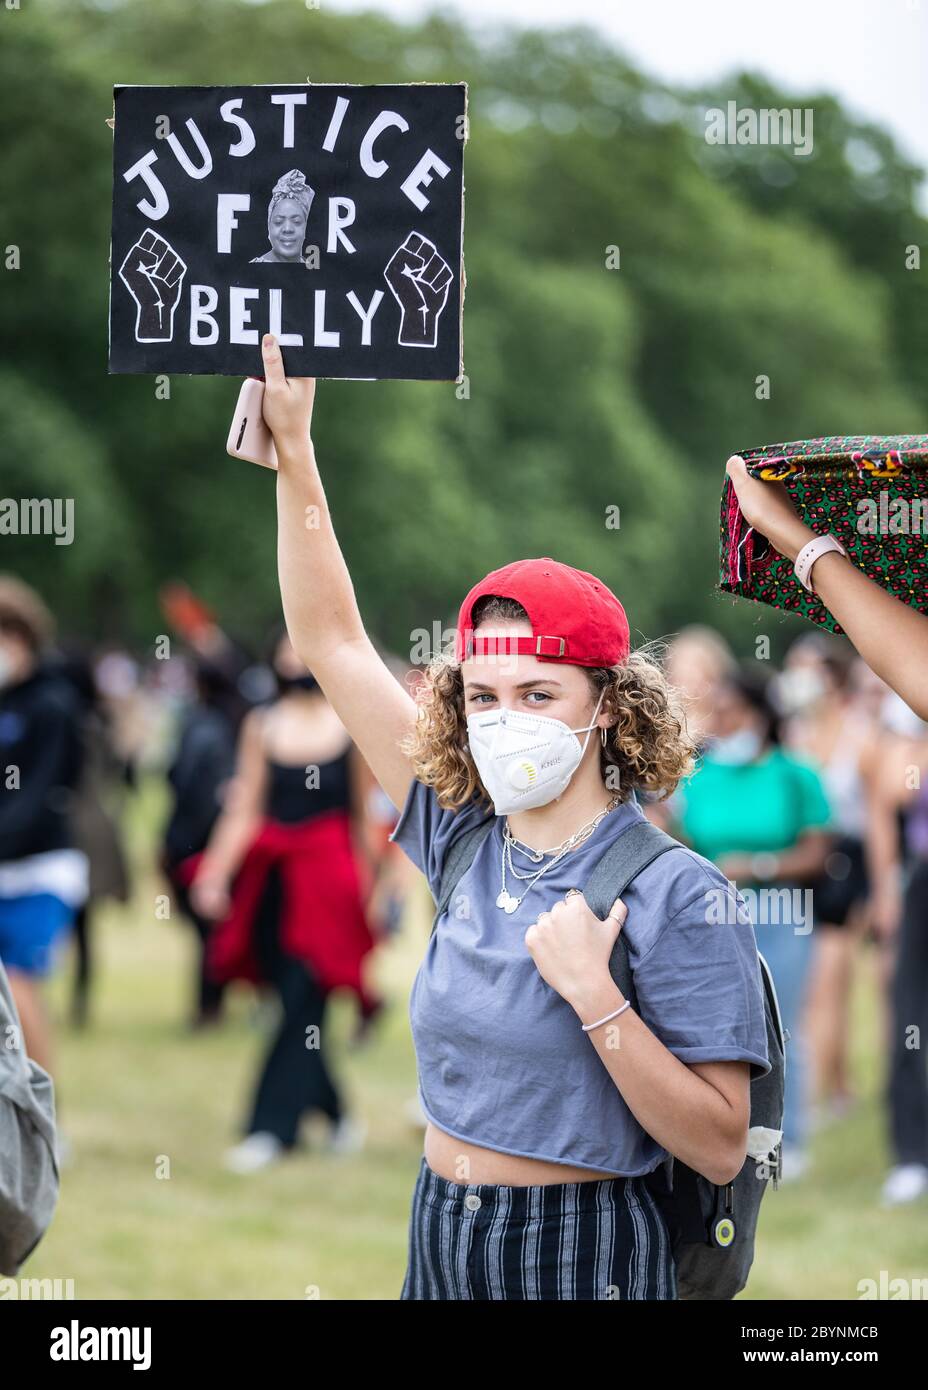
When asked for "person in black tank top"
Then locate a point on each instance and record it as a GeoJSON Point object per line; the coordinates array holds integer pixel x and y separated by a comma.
{"type": "Point", "coordinates": [290, 800]}
{"type": "Point", "coordinates": [294, 916]}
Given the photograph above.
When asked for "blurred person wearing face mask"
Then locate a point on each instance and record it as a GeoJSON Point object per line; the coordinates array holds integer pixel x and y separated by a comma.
{"type": "Point", "coordinates": [43, 878]}
{"type": "Point", "coordinates": [868, 691]}
{"type": "Point", "coordinates": [826, 723]}
{"type": "Point", "coordinates": [697, 661]}
{"type": "Point", "coordinates": [760, 813]}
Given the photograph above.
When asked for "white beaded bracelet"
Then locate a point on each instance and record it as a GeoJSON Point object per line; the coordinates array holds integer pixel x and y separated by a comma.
{"type": "Point", "coordinates": [819, 545]}
{"type": "Point", "coordinates": [587, 1027]}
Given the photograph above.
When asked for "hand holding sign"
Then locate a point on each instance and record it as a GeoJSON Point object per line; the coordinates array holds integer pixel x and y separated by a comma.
{"type": "Point", "coordinates": [768, 508]}
{"type": "Point", "coordinates": [153, 273]}
{"type": "Point", "coordinates": [288, 402]}
{"type": "Point", "coordinates": [420, 280]}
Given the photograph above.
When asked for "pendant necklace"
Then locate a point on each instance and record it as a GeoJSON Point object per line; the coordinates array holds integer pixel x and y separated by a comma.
{"type": "Point", "coordinates": [505, 901]}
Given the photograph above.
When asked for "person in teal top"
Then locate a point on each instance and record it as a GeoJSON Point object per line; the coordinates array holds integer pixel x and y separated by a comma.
{"type": "Point", "coordinates": [762, 815]}
{"type": "Point", "coordinates": [744, 812]}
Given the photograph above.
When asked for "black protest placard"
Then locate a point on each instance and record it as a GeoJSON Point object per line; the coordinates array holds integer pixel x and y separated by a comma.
{"type": "Point", "coordinates": [331, 216]}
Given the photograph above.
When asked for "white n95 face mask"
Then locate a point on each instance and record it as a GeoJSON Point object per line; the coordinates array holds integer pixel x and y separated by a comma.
{"type": "Point", "coordinates": [525, 760]}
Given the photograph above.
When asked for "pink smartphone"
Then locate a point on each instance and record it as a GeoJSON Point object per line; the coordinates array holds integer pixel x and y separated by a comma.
{"type": "Point", "coordinates": [249, 437]}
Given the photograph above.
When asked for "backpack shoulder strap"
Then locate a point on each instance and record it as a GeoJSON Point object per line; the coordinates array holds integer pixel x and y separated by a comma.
{"type": "Point", "coordinates": [632, 852]}
{"type": "Point", "coordinates": [458, 860]}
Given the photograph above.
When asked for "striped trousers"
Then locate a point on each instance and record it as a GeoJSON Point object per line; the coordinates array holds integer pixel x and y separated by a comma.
{"type": "Point", "coordinates": [576, 1240]}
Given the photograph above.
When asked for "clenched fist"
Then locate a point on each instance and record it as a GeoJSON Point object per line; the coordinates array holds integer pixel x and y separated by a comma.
{"type": "Point", "coordinates": [420, 280]}
{"type": "Point", "coordinates": [571, 946]}
{"type": "Point", "coordinates": [769, 509]}
{"type": "Point", "coordinates": [153, 273]}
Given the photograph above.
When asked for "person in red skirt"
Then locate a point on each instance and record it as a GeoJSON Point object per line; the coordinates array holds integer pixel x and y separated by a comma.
{"type": "Point", "coordinates": [285, 876]}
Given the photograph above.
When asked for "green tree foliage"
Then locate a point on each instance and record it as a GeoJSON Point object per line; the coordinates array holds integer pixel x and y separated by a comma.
{"type": "Point", "coordinates": [594, 395]}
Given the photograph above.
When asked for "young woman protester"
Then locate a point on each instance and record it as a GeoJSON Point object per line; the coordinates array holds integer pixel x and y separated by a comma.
{"type": "Point", "coordinates": [540, 1129]}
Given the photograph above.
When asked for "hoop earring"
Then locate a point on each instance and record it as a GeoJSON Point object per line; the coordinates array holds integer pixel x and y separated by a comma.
{"type": "Point", "coordinates": [602, 735]}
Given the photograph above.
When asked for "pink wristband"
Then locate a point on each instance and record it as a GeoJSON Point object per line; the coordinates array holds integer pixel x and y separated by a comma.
{"type": "Point", "coordinates": [808, 555]}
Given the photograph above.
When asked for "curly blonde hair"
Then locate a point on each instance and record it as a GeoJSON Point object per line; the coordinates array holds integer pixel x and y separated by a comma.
{"type": "Point", "coordinates": [647, 749]}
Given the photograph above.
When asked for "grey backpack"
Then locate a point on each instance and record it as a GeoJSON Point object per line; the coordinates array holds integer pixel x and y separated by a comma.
{"type": "Point", "coordinates": [711, 1228]}
{"type": "Point", "coordinates": [28, 1150]}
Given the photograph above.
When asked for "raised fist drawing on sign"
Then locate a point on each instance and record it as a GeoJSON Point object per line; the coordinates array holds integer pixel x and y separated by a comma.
{"type": "Point", "coordinates": [152, 273]}
{"type": "Point", "coordinates": [420, 280]}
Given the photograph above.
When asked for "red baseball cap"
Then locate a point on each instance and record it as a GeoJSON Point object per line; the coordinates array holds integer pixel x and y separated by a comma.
{"type": "Point", "coordinates": [576, 619]}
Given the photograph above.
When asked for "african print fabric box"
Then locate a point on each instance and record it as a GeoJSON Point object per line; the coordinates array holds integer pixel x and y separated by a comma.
{"type": "Point", "coordinates": [870, 491]}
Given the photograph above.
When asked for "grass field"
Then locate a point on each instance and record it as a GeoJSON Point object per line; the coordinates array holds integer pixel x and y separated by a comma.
{"type": "Point", "coordinates": [146, 1211]}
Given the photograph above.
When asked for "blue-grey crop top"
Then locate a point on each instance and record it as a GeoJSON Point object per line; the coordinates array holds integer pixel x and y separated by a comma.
{"type": "Point", "coordinates": [501, 1058]}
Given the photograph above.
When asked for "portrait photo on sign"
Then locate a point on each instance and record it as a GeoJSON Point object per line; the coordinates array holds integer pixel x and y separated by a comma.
{"type": "Point", "coordinates": [330, 216]}
{"type": "Point", "coordinates": [287, 216]}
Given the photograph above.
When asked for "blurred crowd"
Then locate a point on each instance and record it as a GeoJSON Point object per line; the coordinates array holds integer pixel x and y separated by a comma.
{"type": "Point", "coordinates": [810, 792]}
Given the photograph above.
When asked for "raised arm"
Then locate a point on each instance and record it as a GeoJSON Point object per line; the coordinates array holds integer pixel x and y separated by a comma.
{"type": "Point", "coordinates": [237, 824]}
{"type": "Point", "coordinates": [891, 637]}
{"type": "Point", "coordinates": [319, 602]}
